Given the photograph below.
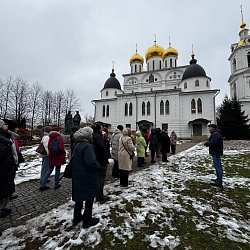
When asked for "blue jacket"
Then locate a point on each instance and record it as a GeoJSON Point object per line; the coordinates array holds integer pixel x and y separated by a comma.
{"type": "Point", "coordinates": [215, 143]}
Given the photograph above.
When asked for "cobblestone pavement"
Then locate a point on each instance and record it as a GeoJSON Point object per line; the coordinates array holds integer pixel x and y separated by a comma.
{"type": "Point", "coordinates": [31, 202]}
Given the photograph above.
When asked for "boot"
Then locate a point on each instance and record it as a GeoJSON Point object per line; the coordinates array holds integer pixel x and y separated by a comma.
{"type": "Point", "coordinates": [90, 223]}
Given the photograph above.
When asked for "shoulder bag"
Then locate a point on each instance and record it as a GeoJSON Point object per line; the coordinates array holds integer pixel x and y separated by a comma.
{"type": "Point", "coordinates": [130, 155]}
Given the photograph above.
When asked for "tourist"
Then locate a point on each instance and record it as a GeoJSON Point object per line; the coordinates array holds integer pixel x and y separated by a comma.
{"type": "Point", "coordinates": [125, 159]}
{"type": "Point", "coordinates": [115, 147]}
{"type": "Point", "coordinates": [144, 132]}
{"type": "Point", "coordinates": [106, 139]}
{"type": "Point", "coordinates": [153, 144]}
{"type": "Point", "coordinates": [85, 183]}
{"type": "Point", "coordinates": [140, 148]}
{"type": "Point", "coordinates": [215, 144]}
{"type": "Point", "coordinates": [165, 145]}
{"type": "Point", "coordinates": [102, 158]}
{"type": "Point", "coordinates": [56, 159]}
{"type": "Point", "coordinates": [173, 140]}
{"type": "Point", "coordinates": [158, 136]}
{"type": "Point", "coordinates": [7, 186]}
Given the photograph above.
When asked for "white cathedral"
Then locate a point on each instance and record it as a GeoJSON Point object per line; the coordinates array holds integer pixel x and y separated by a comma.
{"type": "Point", "coordinates": [165, 96]}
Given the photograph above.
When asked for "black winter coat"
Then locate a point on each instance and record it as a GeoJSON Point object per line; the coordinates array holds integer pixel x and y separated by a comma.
{"type": "Point", "coordinates": [215, 143]}
{"type": "Point", "coordinates": [7, 163]}
{"type": "Point", "coordinates": [165, 142]}
{"type": "Point", "coordinates": [100, 149]}
{"type": "Point", "coordinates": [153, 140]}
{"type": "Point", "coordinates": [145, 134]}
{"type": "Point", "coordinates": [85, 184]}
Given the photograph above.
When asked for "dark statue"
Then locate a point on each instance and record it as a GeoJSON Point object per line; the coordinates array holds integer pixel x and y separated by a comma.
{"type": "Point", "coordinates": [77, 119]}
{"type": "Point", "coordinates": [68, 123]}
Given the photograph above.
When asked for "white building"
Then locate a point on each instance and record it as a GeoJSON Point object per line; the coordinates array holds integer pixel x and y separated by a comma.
{"type": "Point", "coordinates": [239, 80]}
{"type": "Point", "coordinates": [165, 96]}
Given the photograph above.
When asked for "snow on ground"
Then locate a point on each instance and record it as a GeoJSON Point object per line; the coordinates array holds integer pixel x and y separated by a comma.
{"type": "Point", "coordinates": [156, 194]}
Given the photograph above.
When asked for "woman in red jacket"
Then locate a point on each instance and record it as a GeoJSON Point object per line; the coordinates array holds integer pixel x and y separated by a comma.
{"type": "Point", "coordinates": [56, 157]}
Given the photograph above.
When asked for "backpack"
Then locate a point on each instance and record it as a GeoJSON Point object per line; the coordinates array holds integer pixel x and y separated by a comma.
{"type": "Point", "coordinates": [54, 147]}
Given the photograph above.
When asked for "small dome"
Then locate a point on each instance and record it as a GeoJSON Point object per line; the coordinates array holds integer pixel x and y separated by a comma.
{"type": "Point", "coordinates": [155, 50]}
{"type": "Point", "coordinates": [193, 70]}
{"type": "Point", "coordinates": [112, 82]}
{"type": "Point", "coordinates": [170, 51]}
{"type": "Point", "coordinates": [136, 58]}
{"type": "Point", "coordinates": [241, 43]}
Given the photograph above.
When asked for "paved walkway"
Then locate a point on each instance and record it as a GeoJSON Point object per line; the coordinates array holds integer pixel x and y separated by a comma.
{"type": "Point", "coordinates": [31, 202]}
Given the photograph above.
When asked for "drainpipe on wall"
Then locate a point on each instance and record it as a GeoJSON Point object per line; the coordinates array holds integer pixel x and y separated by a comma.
{"type": "Point", "coordinates": [155, 107]}
{"type": "Point", "coordinates": [136, 112]}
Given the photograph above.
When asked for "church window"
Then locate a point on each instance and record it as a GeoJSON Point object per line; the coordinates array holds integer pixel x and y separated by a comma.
{"type": "Point", "coordinates": [160, 64]}
{"type": "Point", "coordinates": [151, 78]}
{"type": "Point", "coordinates": [199, 105]}
{"type": "Point", "coordinates": [197, 83]}
{"type": "Point", "coordinates": [103, 111]}
{"type": "Point", "coordinates": [130, 109]}
{"type": "Point", "coordinates": [115, 93]}
{"type": "Point", "coordinates": [107, 93]}
{"type": "Point", "coordinates": [153, 65]}
{"type": "Point", "coordinates": [193, 106]}
{"type": "Point", "coordinates": [167, 108]}
{"type": "Point", "coordinates": [234, 65]}
{"type": "Point", "coordinates": [135, 68]}
{"type": "Point", "coordinates": [140, 68]}
{"type": "Point", "coordinates": [164, 126]}
{"type": "Point", "coordinates": [148, 67]}
{"type": "Point", "coordinates": [126, 109]}
{"type": "Point", "coordinates": [148, 108]}
{"type": "Point", "coordinates": [234, 90]}
{"type": "Point", "coordinates": [175, 63]}
{"type": "Point", "coordinates": [156, 79]}
{"type": "Point", "coordinates": [107, 111]}
{"type": "Point", "coordinates": [131, 69]}
{"type": "Point", "coordinates": [143, 108]}
{"type": "Point", "coordinates": [166, 63]}
{"type": "Point", "coordinates": [207, 83]}
{"type": "Point", "coordinates": [171, 64]}
{"type": "Point", "coordinates": [185, 85]}
{"type": "Point", "coordinates": [161, 108]}
{"type": "Point", "coordinates": [146, 80]}
{"type": "Point", "coordinates": [248, 59]}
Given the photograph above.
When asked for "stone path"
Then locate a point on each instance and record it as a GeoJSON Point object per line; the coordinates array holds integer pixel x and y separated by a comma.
{"type": "Point", "coordinates": [31, 202]}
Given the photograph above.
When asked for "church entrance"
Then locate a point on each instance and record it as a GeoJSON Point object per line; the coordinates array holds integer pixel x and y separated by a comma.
{"type": "Point", "coordinates": [145, 123]}
{"type": "Point", "coordinates": [197, 129]}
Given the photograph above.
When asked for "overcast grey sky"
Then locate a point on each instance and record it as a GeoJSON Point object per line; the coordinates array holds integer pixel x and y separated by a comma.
{"type": "Point", "coordinates": [71, 44]}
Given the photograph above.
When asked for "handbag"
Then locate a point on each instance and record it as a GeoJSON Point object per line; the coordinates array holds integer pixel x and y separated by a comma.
{"type": "Point", "coordinates": [41, 149]}
{"type": "Point", "coordinates": [130, 155]}
{"type": "Point", "coordinates": [20, 157]}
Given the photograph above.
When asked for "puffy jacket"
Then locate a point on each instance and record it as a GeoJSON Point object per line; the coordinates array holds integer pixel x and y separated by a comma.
{"type": "Point", "coordinates": [56, 160]}
{"type": "Point", "coordinates": [153, 140]}
{"type": "Point", "coordinates": [100, 149]}
{"type": "Point", "coordinates": [165, 142]}
{"type": "Point", "coordinates": [115, 143]}
{"type": "Point", "coordinates": [215, 143]}
{"type": "Point", "coordinates": [140, 144]}
{"type": "Point", "coordinates": [173, 138]}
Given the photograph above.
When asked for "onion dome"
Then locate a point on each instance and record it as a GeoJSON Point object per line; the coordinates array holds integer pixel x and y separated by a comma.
{"type": "Point", "coordinates": [170, 51]}
{"type": "Point", "coordinates": [112, 82]}
{"type": "Point", "coordinates": [193, 70]}
{"type": "Point", "coordinates": [136, 58]}
{"type": "Point", "coordinates": [155, 50]}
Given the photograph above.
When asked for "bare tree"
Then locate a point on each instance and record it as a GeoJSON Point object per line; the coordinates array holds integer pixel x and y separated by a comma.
{"type": "Point", "coordinates": [59, 101]}
{"type": "Point", "coordinates": [47, 103]}
{"type": "Point", "coordinates": [72, 102]}
{"type": "Point", "coordinates": [6, 96]}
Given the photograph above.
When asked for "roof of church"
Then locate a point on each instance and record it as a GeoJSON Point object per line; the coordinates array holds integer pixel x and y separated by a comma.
{"type": "Point", "coordinates": [112, 82]}
{"type": "Point", "coordinates": [193, 70]}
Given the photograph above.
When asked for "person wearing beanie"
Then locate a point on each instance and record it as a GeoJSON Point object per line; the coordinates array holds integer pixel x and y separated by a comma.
{"type": "Point", "coordinates": [115, 147]}
{"type": "Point", "coordinates": [215, 144]}
{"type": "Point", "coordinates": [85, 182]}
{"type": "Point", "coordinates": [45, 158]}
{"type": "Point", "coordinates": [56, 159]}
{"type": "Point", "coordinates": [7, 186]}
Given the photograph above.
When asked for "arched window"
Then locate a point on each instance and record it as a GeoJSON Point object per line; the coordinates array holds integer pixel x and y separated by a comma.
{"type": "Point", "coordinates": [143, 108]}
{"type": "Point", "coordinates": [171, 64]}
{"type": "Point", "coordinates": [153, 65]}
{"type": "Point", "coordinates": [175, 63]}
{"type": "Point", "coordinates": [135, 68]}
{"type": "Point", "coordinates": [126, 109]}
{"type": "Point", "coordinates": [148, 108]}
{"type": "Point", "coordinates": [207, 83]}
{"type": "Point", "coordinates": [199, 105]}
{"type": "Point", "coordinates": [130, 109]}
{"type": "Point", "coordinates": [248, 59]}
{"type": "Point", "coordinates": [107, 93]}
{"type": "Point", "coordinates": [107, 111]}
{"type": "Point", "coordinates": [166, 63]}
{"type": "Point", "coordinates": [167, 108]}
{"type": "Point", "coordinates": [160, 64]}
{"type": "Point", "coordinates": [115, 93]}
{"type": "Point", "coordinates": [234, 65]}
{"type": "Point", "coordinates": [197, 83]}
{"type": "Point", "coordinates": [185, 85]}
{"type": "Point", "coordinates": [234, 91]}
{"type": "Point", "coordinates": [140, 68]}
{"type": "Point", "coordinates": [193, 106]}
{"type": "Point", "coordinates": [161, 108]}
{"type": "Point", "coordinates": [103, 111]}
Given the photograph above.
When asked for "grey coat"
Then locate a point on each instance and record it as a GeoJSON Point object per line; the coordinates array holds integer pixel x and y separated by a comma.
{"type": "Point", "coordinates": [115, 143]}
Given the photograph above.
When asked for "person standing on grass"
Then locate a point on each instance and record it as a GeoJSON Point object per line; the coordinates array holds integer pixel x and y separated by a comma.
{"type": "Point", "coordinates": [56, 159]}
{"type": "Point", "coordinates": [153, 144]}
{"type": "Point", "coordinates": [165, 145]}
{"type": "Point", "coordinates": [126, 149]}
{"type": "Point", "coordinates": [140, 147]}
{"type": "Point", "coordinates": [115, 147]}
{"type": "Point", "coordinates": [7, 162]}
{"type": "Point", "coordinates": [85, 183]}
{"type": "Point", "coordinates": [173, 140]}
{"type": "Point", "coordinates": [215, 144]}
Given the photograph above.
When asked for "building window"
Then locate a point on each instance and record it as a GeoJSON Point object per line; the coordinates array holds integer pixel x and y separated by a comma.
{"type": "Point", "coordinates": [164, 126]}
{"type": "Point", "coordinates": [234, 65]}
{"type": "Point", "coordinates": [161, 108]}
{"type": "Point", "coordinates": [197, 83]}
{"type": "Point", "coordinates": [248, 59]}
{"type": "Point", "coordinates": [166, 63]}
{"type": "Point", "coordinates": [207, 83]}
{"type": "Point", "coordinates": [185, 85]}
{"type": "Point", "coordinates": [140, 68]}
{"type": "Point", "coordinates": [199, 105]}
{"type": "Point", "coordinates": [175, 63]}
{"type": "Point", "coordinates": [130, 109]}
{"type": "Point", "coordinates": [171, 64]}
{"type": "Point", "coordinates": [151, 78]}
{"type": "Point", "coordinates": [135, 68]}
{"type": "Point", "coordinates": [115, 93]}
{"type": "Point", "coordinates": [128, 126]}
{"type": "Point", "coordinates": [103, 111]}
{"type": "Point", "coordinates": [167, 108]}
{"type": "Point", "coordinates": [234, 91]}
{"type": "Point", "coordinates": [143, 108]}
{"type": "Point", "coordinates": [147, 66]}
{"type": "Point", "coordinates": [126, 109]}
{"type": "Point", "coordinates": [160, 64]}
{"type": "Point", "coordinates": [153, 65]}
{"type": "Point", "coordinates": [193, 106]}
{"type": "Point", "coordinates": [148, 108]}
{"type": "Point", "coordinates": [107, 111]}
{"type": "Point", "coordinates": [131, 69]}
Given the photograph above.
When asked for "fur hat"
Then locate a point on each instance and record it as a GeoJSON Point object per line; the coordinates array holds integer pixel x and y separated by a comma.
{"type": "Point", "coordinates": [55, 129]}
{"type": "Point", "coordinates": [212, 126]}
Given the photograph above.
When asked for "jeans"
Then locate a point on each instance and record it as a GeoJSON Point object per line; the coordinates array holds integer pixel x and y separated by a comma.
{"type": "Point", "coordinates": [139, 161]}
{"type": "Point", "coordinates": [87, 215]}
{"type": "Point", "coordinates": [47, 175]}
{"type": "Point", "coordinates": [218, 168]}
{"type": "Point", "coordinates": [45, 167]}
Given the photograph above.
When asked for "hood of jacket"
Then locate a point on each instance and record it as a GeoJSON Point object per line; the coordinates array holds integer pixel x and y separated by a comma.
{"type": "Point", "coordinates": [126, 132]}
{"type": "Point", "coordinates": [138, 134]}
{"type": "Point", "coordinates": [117, 131]}
{"type": "Point", "coordinates": [83, 134]}
{"type": "Point", "coordinates": [54, 134]}
{"type": "Point", "coordinates": [13, 135]}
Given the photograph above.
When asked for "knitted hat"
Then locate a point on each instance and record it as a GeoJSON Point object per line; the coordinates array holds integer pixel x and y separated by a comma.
{"type": "Point", "coordinates": [83, 133]}
{"type": "Point", "coordinates": [212, 126]}
{"type": "Point", "coordinates": [55, 129]}
{"type": "Point", "coordinates": [47, 129]}
{"type": "Point", "coordinates": [120, 127]}
{"type": "Point", "coordinates": [1, 123]}
{"type": "Point", "coordinates": [106, 130]}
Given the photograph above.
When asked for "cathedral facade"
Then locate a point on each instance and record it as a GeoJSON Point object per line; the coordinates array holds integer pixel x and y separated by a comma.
{"type": "Point", "coordinates": [164, 95]}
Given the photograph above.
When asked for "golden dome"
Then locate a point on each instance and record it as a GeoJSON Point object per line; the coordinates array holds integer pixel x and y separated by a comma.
{"type": "Point", "coordinates": [155, 50]}
{"type": "Point", "coordinates": [136, 58]}
{"type": "Point", "coordinates": [170, 52]}
{"type": "Point", "coordinates": [241, 43]}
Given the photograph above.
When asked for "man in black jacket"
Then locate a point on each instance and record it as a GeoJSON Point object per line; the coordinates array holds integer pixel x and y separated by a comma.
{"type": "Point", "coordinates": [215, 145]}
{"type": "Point", "coordinates": [102, 159]}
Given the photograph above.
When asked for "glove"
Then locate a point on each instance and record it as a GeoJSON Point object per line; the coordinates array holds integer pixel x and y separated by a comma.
{"type": "Point", "coordinates": [205, 144]}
